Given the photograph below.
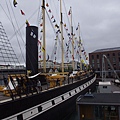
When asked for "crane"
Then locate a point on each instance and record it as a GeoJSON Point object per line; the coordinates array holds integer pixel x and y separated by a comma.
{"type": "Point", "coordinates": [103, 68]}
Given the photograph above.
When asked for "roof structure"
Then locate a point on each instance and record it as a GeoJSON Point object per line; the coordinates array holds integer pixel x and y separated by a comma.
{"type": "Point", "coordinates": [100, 99]}
{"type": "Point", "coordinates": [107, 49]}
{"type": "Point", "coordinates": [105, 83]}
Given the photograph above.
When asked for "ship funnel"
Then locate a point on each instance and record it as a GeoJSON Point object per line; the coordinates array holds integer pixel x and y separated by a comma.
{"type": "Point", "coordinates": [31, 50]}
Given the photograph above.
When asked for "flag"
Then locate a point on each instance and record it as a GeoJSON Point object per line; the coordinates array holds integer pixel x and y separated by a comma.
{"type": "Point", "coordinates": [43, 49]}
{"type": "Point", "coordinates": [52, 17]}
{"type": "Point", "coordinates": [41, 24]}
{"type": "Point", "coordinates": [69, 12]}
{"type": "Point", "coordinates": [47, 57]}
{"type": "Point", "coordinates": [54, 21]}
{"type": "Point", "coordinates": [56, 26]}
{"type": "Point", "coordinates": [47, 5]}
{"type": "Point", "coordinates": [77, 28]}
{"type": "Point", "coordinates": [41, 31]}
{"type": "Point", "coordinates": [49, 10]}
{"type": "Point", "coordinates": [55, 58]}
{"type": "Point", "coordinates": [58, 31]}
{"type": "Point", "coordinates": [68, 34]}
{"type": "Point", "coordinates": [14, 3]}
{"type": "Point", "coordinates": [72, 57]}
{"type": "Point", "coordinates": [64, 25]}
{"type": "Point", "coordinates": [22, 12]}
{"type": "Point", "coordinates": [86, 58]}
{"type": "Point", "coordinates": [39, 42]}
{"type": "Point", "coordinates": [27, 23]}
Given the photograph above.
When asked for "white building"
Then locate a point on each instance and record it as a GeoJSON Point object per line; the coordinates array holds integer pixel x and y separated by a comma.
{"type": "Point", "coordinates": [104, 87]}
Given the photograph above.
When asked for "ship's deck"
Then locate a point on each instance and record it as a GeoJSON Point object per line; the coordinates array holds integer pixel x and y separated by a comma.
{"type": "Point", "coordinates": [4, 98]}
{"type": "Point", "coordinates": [114, 88]}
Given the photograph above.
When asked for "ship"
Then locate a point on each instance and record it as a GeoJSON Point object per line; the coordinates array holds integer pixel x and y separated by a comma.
{"type": "Point", "coordinates": [60, 90]}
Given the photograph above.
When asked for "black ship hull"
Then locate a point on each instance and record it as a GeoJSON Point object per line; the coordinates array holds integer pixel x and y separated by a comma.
{"type": "Point", "coordinates": [53, 104]}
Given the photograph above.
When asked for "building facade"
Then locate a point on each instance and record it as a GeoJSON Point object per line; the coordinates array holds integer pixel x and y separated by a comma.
{"type": "Point", "coordinates": [112, 54]}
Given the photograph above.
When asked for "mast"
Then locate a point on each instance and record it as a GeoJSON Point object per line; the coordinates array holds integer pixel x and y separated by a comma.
{"type": "Point", "coordinates": [61, 26]}
{"type": "Point", "coordinates": [72, 40]}
{"type": "Point", "coordinates": [44, 41]}
{"type": "Point", "coordinates": [80, 47]}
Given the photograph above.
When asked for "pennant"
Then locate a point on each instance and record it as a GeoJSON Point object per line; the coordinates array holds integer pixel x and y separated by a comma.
{"type": "Point", "coordinates": [41, 38]}
{"type": "Point", "coordinates": [77, 28]}
{"type": "Point", "coordinates": [82, 61]}
{"type": "Point", "coordinates": [39, 42]}
{"type": "Point", "coordinates": [52, 17]}
{"type": "Point", "coordinates": [27, 23]}
{"type": "Point", "coordinates": [41, 31]}
{"type": "Point", "coordinates": [47, 57]}
{"type": "Point", "coordinates": [72, 57]}
{"type": "Point", "coordinates": [49, 10]}
{"type": "Point", "coordinates": [22, 12]}
{"type": "Point", "coordinates": [64, 25]}
{"type": "Point", "coordinates": [69, 12]}
{"type": "Point", "coordinates": [54, 21]}
{"type": "Point", "coordinates": [14, 3]}
{"type": "Point", "coordinates": [68, 34]}
{"type": "Point", "coordinates": [56, 26]}
{"type": "Point", "coordinates": [47, 5]}
{"type": "Point", "coordinates": [43, 49]}
{"type": "Point", "coordinates": [58, 31]}
{"type": "Point", "coordinates": [41, 24]}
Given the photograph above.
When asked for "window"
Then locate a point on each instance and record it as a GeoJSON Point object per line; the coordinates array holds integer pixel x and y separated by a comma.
{"type": "Point", "coordinates": [113, 54]}
{"type": "Point", "coordinates": [114, 60]}
{"type": "Point", "coordinates": [119, 54]}
{"type": "Point", "coordinates": [98, 61]}
{"type": "Point", "coordinates": [119, 59]}
{"type": "Point", "coordinates": [92, 56]}
{"type": "Point", "coordinates": [97, 56]}
{"type": "Point", "coordinates": [92, 61]}
{"type": "Point", "coordinates": [93, 65]}
{"type": "Point", "coordinates": [104, 86]}
{"type": "Point", "coordinates": [98, 65]}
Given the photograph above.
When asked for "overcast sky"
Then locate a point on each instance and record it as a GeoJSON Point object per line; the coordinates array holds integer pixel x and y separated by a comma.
{"type": "Point", "coordinates": [99, 20]}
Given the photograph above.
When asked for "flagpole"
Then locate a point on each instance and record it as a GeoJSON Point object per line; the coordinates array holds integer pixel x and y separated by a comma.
{"type": "Point", "coordinates": [61, 25]}
{"type": "Point", "coordinates": [80, 47]}
{"type": "Point", "coordinates": [72, 39]}
{"type": "Point", "coordinates": [44, 42]}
